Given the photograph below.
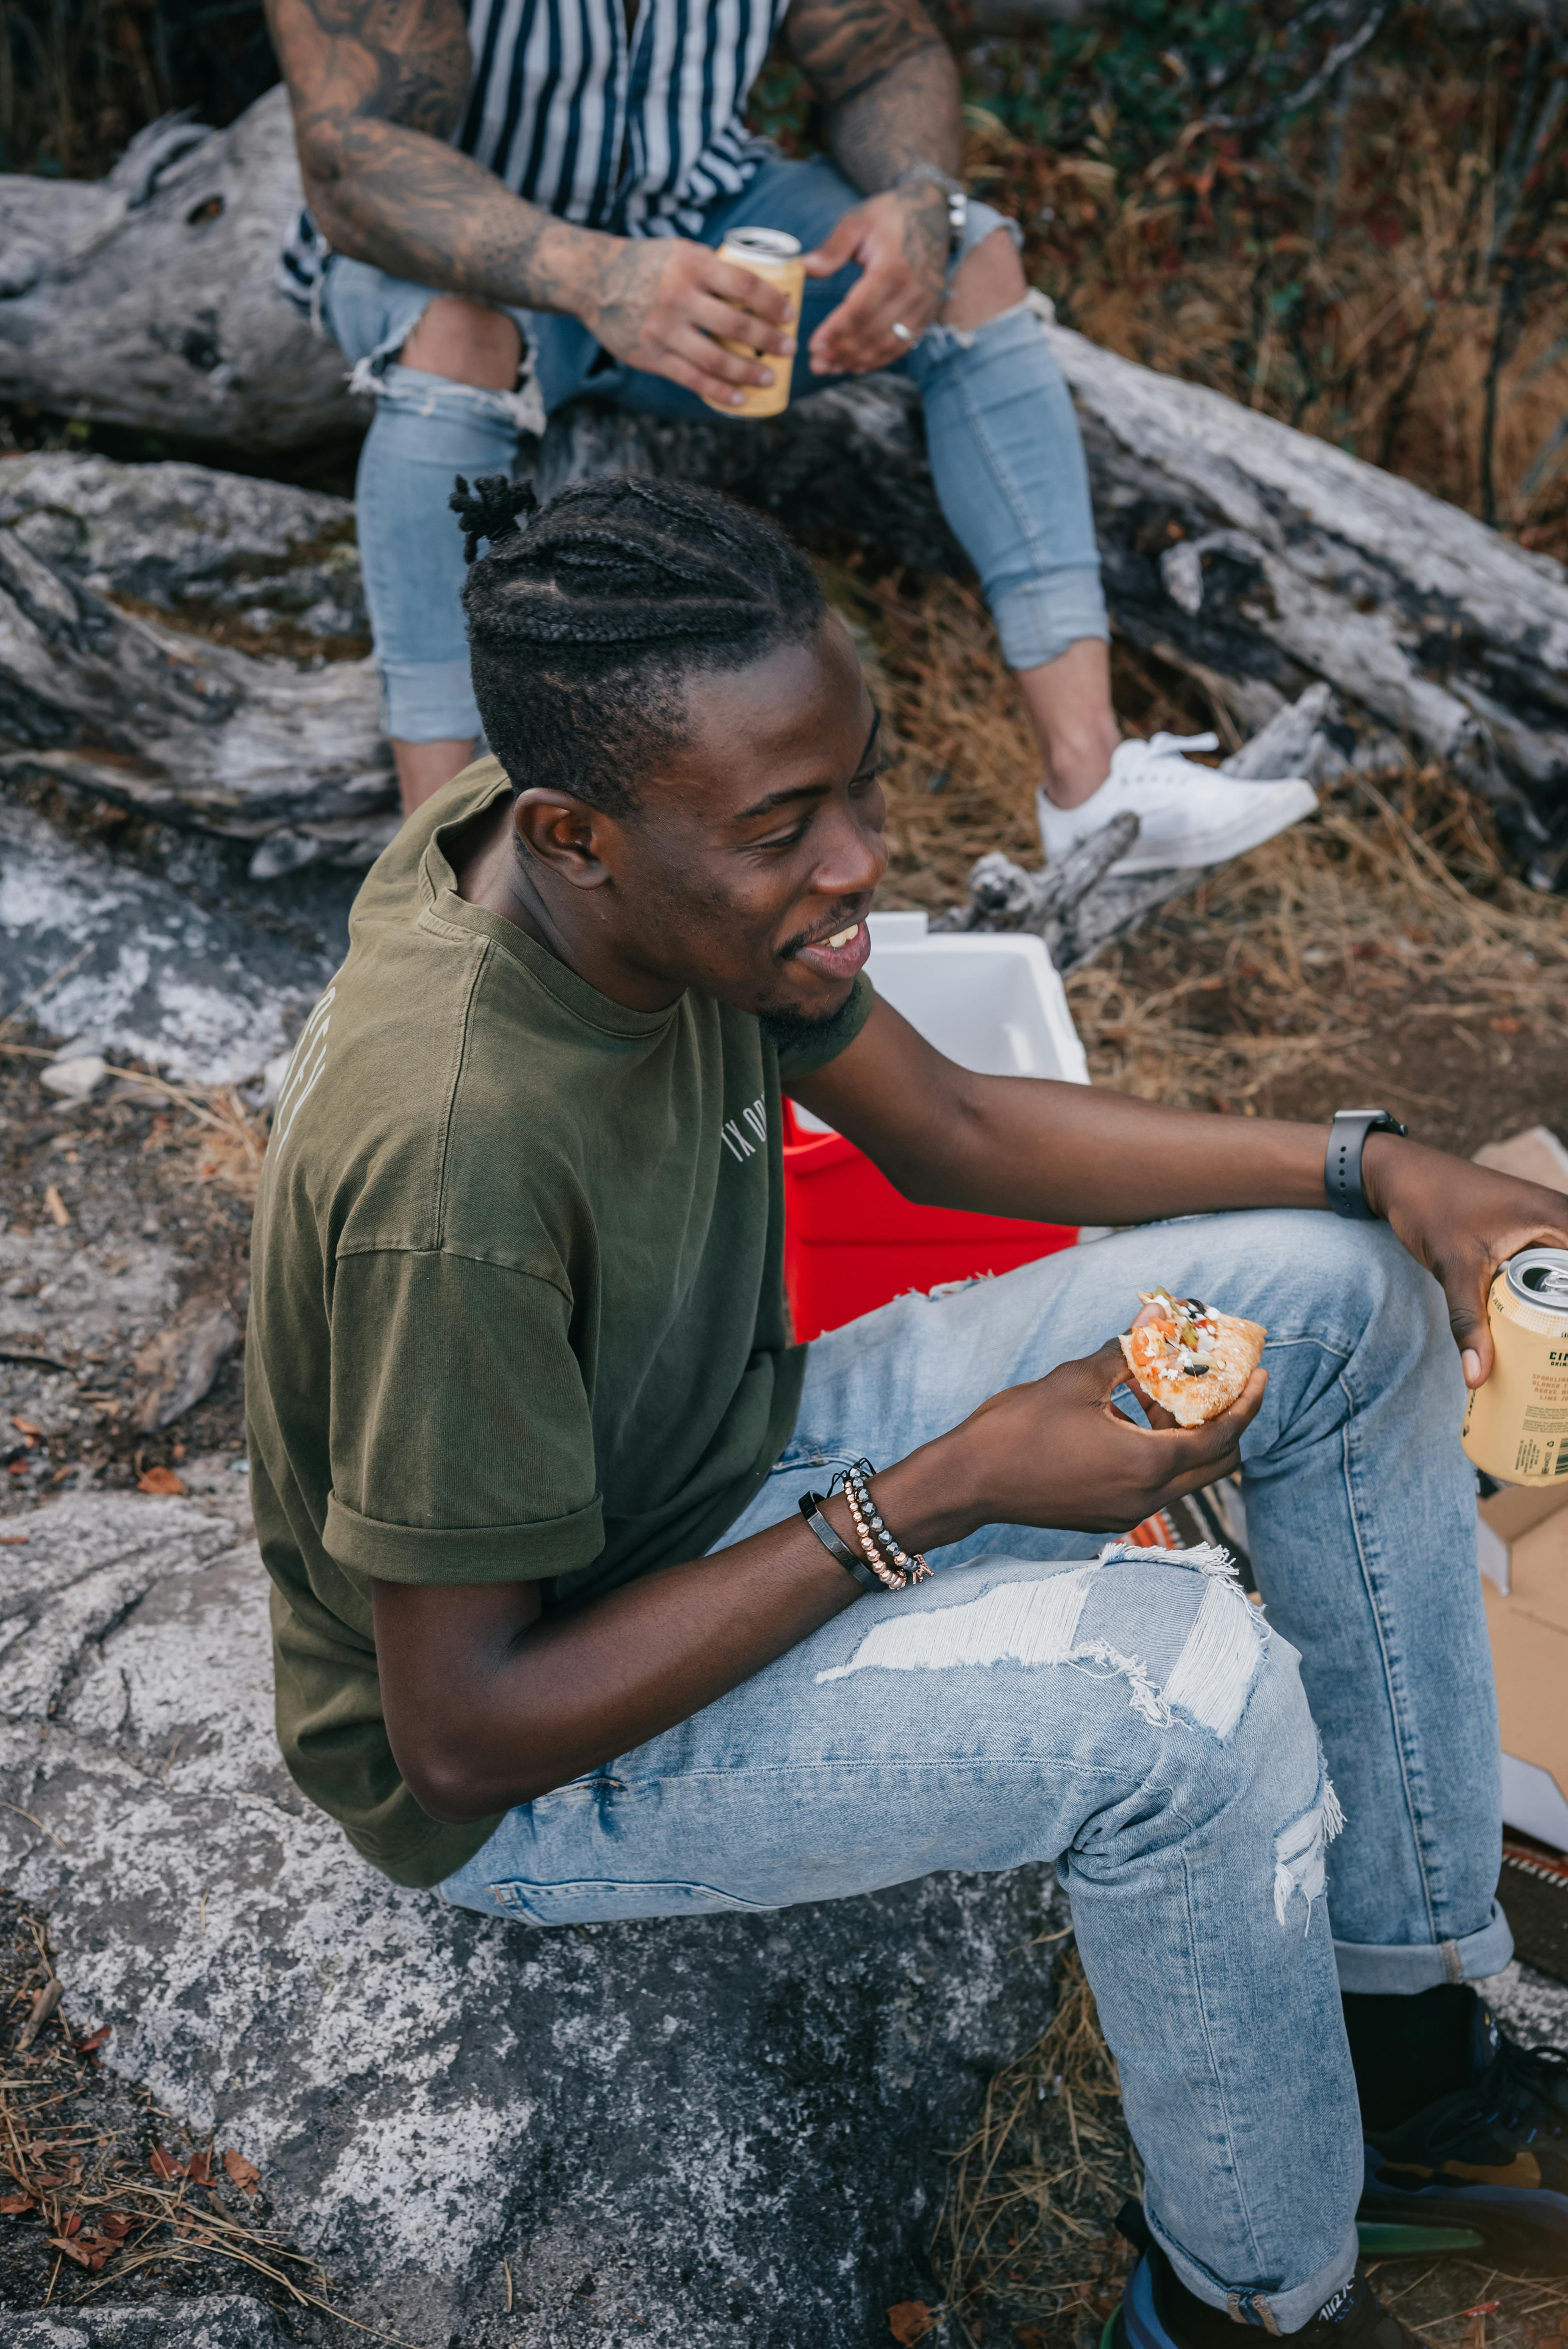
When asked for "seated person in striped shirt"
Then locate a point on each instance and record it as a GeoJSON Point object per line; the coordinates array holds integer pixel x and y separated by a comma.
{"type": "Point", "coordinates": [489, 176]}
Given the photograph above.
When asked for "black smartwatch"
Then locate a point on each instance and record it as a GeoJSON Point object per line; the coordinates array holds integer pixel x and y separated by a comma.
{"type": "Point", "coordinates": [1342, 1163]}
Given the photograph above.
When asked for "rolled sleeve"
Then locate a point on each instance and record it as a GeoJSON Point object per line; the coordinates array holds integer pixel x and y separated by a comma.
{"type": "Point", "coordinates": [462, 1435]}
{"type": "Point", "coordinates": [525, 1553]}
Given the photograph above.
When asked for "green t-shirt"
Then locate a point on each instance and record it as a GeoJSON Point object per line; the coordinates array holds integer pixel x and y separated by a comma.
{"type": "Point", "coordinates": [517, 1299]}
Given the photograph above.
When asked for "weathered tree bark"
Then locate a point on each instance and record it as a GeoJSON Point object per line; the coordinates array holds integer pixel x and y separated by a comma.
{"type": "Point", "coordinates": [149, 298]}
{"type": "Point", "coordinates": [192, 542]}
{"type": "Point", "coordinates": [185, 731]}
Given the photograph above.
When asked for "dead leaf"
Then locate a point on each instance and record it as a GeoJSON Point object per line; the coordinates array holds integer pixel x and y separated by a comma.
{"type": "Point", "coordinates": [1031, 2336]}
{"type": "Point", "coordinates": [14, 1541]}
{"type": "Point", "coordinates": [242, 2173]}
{"type": "Point", "coordinates": [160, 1480]}
{"type": "Point", "coordinates": [13, 2203]}
{"type": "Point", "coordinates": [95, 2038]}
{"type": "Point", "coordinates": [161, 2165]}
{"type": "Point", "coordinates": [199, 2168]}
{"type": "Point", "coordinates": [25, 1427]}
{"type": "Point", "coordinates": [71, 2250]}
{"type": "Point", "coordinates": [909, 2320]}
{"type": "Point", "coordinates": [57, 1207]}
{"type": "Point", "coordinates": [116, 2226]}
{"type": "Point", "coordinates": [73, 2222]}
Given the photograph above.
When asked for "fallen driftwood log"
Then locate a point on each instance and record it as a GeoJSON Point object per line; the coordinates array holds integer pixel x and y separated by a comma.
{"type": "Point", "coordinates": [192, 542]}
{"type": "Point", "coordinates": [149, 298]}
{"type": "Point", "coordinates": [190, 732]}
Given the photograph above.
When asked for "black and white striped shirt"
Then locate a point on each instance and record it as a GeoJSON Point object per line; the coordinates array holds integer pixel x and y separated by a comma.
{"type": "Point", "coordinates": [634, 131]}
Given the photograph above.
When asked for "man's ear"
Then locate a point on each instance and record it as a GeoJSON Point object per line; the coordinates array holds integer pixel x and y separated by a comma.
{"type": "Point", "coordinates": [563, 835]}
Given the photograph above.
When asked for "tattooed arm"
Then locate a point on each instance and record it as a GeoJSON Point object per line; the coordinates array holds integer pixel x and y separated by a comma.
{"type": "Point", "coordinates": [378, 88]}
{"type": "Point", "coordinates": [888, 82]}
{"type": "Point", "coordinates": [889, 87]}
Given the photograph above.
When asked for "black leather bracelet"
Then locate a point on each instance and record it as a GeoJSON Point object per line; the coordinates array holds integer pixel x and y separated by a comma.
{"type": "Point", "coordinates": [811, 1507]}
{"type": "Point", "coordinates": [1342, 1160]}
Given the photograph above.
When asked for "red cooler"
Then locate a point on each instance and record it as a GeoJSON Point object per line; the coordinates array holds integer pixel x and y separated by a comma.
{"type": "Point", "coordinates": [993, 1003]}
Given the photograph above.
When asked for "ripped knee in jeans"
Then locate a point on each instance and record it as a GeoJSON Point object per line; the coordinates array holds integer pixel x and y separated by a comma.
{"type": "Point", "coordinates": [1300, 1852]}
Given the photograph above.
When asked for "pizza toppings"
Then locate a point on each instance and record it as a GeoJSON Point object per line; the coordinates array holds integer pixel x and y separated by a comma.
{"type": "Point", "coordinates": [1195, 1330]}
{"type": "Point", "coordinates": [1191, 1360]}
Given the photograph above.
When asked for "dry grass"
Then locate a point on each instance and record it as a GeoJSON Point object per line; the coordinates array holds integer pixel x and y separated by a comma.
{"type": "Point", "coordinates": [1031, 2198]}
{"type": "Point", "coordinates": [1387, 911]}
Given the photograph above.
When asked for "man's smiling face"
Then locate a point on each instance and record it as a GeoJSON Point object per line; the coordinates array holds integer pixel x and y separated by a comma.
{"type": "Point", "coordinates": [749, 867]}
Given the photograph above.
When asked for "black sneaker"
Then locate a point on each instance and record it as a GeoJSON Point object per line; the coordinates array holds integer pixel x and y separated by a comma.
{"type": "Point", "coordinates": [1157, 2312]}
{"type": "Point", "coordinates": [1484, 2169]}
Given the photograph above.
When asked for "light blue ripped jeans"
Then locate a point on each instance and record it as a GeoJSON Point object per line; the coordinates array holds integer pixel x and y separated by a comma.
{"type": "Point", "coordinates": [1006, 456]}
{"type": "Point", "coordinates": [1133, 1720]}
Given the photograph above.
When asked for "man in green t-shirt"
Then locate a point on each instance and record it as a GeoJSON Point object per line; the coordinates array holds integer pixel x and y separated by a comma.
{"type": "Point", "coordinates": [563, 1621]}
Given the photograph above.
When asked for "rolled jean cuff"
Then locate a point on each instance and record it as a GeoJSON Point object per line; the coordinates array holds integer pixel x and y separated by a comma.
{"type": "Point", "coordinates": [428, 701]}
{"type": "Point", "coordinates": [1271, 2312]}
{"type": "Point", "coordinates": [1039, 619]}
{"type": "Point", "coordinates": [1401, 1968]}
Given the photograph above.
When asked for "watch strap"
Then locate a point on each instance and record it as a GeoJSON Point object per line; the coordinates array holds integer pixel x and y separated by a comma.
{"type": "Point", "coordinates": [811, 1507]}
{"type": "Point", "coordinates": [1342, 1160]}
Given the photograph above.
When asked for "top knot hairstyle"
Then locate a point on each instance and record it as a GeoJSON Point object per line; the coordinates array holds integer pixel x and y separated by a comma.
{"type": "Point", "coordinates": [589, 616]}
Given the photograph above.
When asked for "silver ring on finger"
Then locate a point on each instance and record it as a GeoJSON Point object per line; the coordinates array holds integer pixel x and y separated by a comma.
{"type": "Point", "coordinates": [902, 331]}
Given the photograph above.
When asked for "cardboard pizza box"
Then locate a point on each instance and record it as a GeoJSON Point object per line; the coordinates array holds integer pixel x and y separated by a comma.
{"type": "Point", "coordinates": [1524, 1539]}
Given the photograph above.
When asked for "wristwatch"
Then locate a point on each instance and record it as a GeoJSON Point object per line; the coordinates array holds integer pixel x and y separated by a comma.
{"type": "Point", "coordinates": [957, 198]}
{"type": "Point", "coordinates": [1342, 1163]}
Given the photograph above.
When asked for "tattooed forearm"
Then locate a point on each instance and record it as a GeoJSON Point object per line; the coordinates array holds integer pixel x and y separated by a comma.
{"type": "Point", "coordinates": [888, 82]}
{"type": "Point", "coordinates": [378, 88]}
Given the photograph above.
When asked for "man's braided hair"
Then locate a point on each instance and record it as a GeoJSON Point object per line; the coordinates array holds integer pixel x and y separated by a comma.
{"type": "Point", "coordinates": [589, 615]}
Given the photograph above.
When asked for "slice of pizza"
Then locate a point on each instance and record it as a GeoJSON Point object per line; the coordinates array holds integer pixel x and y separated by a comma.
{"type": "Point", "coordinates": [1193, 1360]}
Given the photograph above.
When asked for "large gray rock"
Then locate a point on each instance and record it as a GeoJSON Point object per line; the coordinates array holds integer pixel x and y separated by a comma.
{"type": "Point", "coordinates": [96, 949]}
{"type": "Point", "coordinates": [211, 2321]}
{"type": "Point", "coordinates": [694, 2132]}
{"type": "Point", "coordinates": [188, 538]}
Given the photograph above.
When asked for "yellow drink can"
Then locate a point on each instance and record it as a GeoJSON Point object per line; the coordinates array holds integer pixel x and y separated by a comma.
{"type": "Point", "coordinates": [1516, 1425]}
{"type": "Point", "coordinates": [769, 253]}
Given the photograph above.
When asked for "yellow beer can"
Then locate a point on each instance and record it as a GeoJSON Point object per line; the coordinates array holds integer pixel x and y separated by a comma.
{"type": "Point", "coordinates": [1516, 1425]}
{"type": "Point", "coordinates": [768, 253]}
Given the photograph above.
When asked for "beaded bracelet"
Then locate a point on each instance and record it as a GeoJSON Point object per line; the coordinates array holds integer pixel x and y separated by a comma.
{"type": "Point", "coordinates": [898, 1568]}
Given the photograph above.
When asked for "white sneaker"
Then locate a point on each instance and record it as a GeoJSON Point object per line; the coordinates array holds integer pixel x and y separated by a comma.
{"type": "Point", "coordinates": [1187, 814]}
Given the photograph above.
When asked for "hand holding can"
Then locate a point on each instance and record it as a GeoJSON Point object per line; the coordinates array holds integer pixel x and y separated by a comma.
{"type": "Point", "coordinates": [1516, 1425]}
{"type": "Point", "coordinates": [770, 254]}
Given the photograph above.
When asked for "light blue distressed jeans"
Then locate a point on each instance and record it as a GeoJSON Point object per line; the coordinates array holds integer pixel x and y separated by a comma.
{"type": "Point", "coordinates": [1006, 456]}
{"type": "Point", "coordinates": [1134, 1720]}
